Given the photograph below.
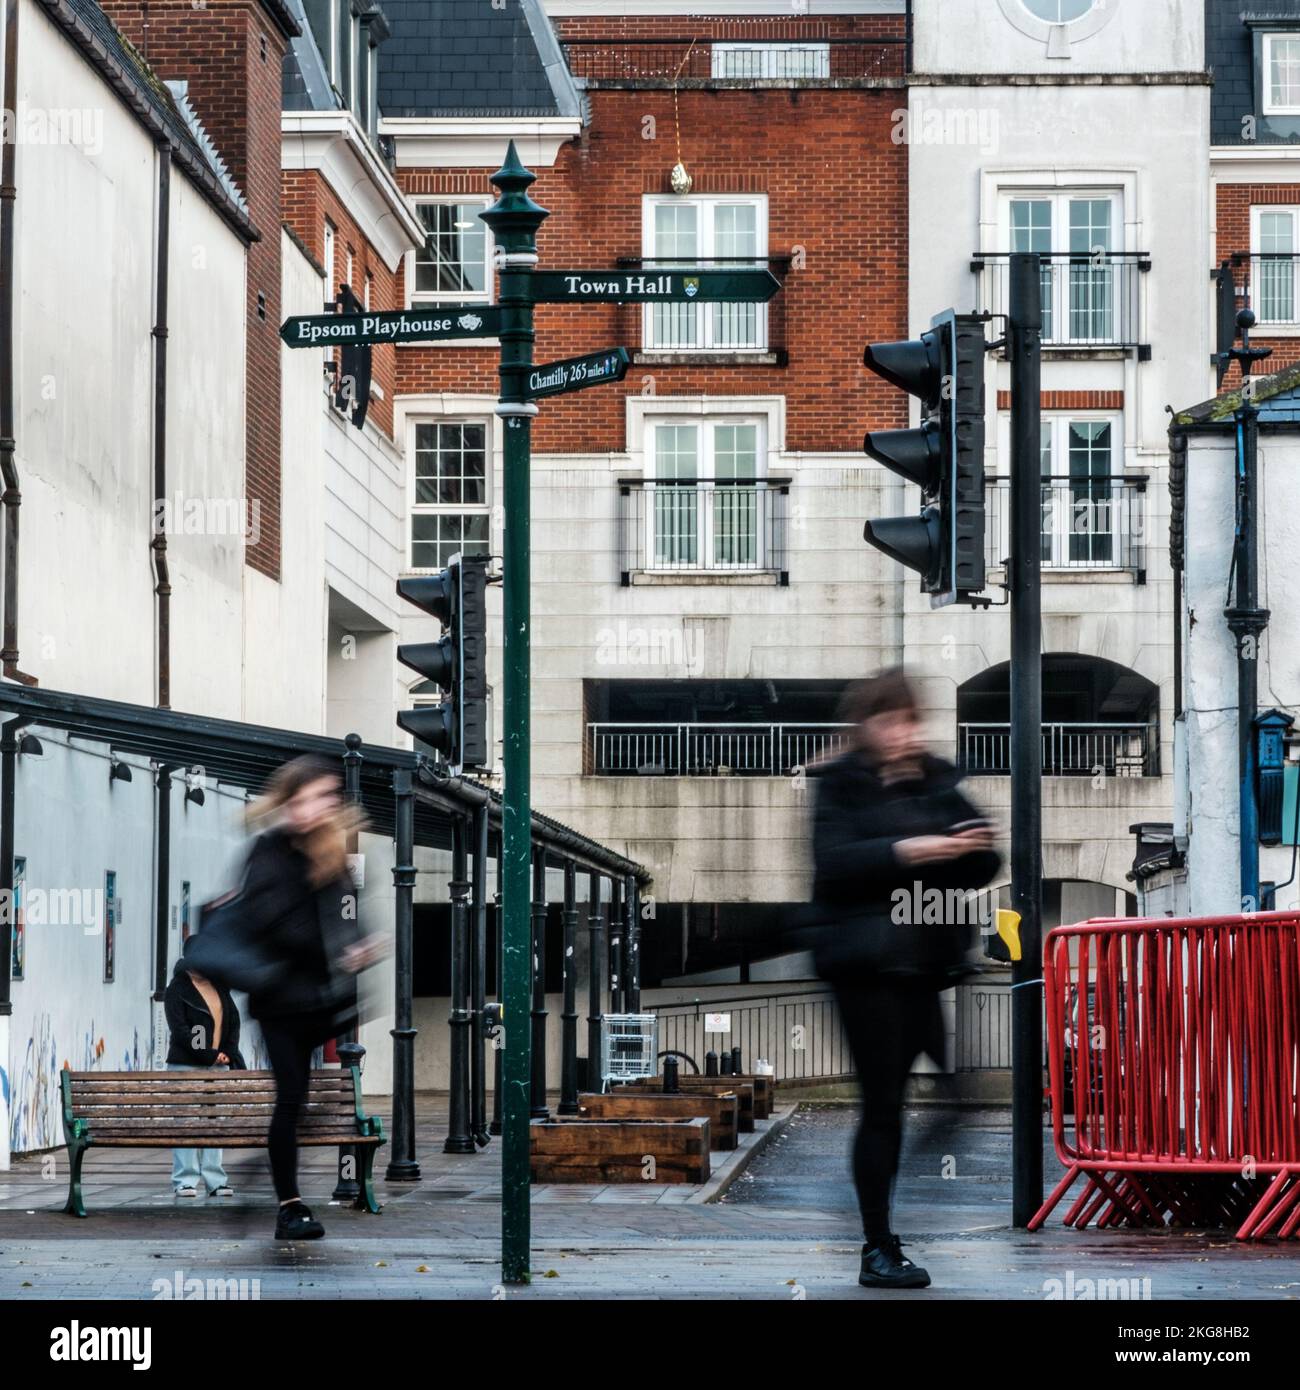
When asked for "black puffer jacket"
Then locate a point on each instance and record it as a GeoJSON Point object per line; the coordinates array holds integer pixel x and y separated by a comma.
{"type": "Point", "coordinates": [189, 1018]}
{"type": "Point", "coordinates": [308, 928]}
{"type": "Point", "coordinates": [863, 918]}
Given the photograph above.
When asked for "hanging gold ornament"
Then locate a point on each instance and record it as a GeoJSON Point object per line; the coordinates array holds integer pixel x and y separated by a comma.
{"type": "Point", "coordinates": [679, 180]}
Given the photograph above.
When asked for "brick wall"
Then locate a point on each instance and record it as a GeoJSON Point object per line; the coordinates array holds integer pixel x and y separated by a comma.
{"type": "Point", "coordinates": [837, 198]}
{"type": "Point", "coordinates": [231, 53]}
{"type": "Point", "coordinates": [1232, 234]}
{"type": "Point", "coordinates": [308, 201]}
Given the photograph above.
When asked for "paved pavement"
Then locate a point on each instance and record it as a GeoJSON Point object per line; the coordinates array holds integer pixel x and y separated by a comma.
{"type": "Point", "coordinates": [785, 1228]}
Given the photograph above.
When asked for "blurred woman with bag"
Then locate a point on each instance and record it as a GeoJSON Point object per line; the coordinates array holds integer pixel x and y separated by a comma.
{"type": "Point", "coordinates": [890, 828]}
{"type": "Point", "coordinates": [298, 906]}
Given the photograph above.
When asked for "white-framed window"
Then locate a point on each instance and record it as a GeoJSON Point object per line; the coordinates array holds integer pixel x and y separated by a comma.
{"type": "Point", "coordinates": [1085, 518]}
{"type": "Point", "coordinates": [455, 263]}
{"type": "Point", "coordinates": [707, 480]}
{"type": "Point", "coordinates": [1275, 248]}
{"type": "Point", "coordinates": [723, 232]}
{"type": "Point", "coordinates": [1281, 82]}
{"type": "Point", "coordinates": [450, 467]}
{"type": "Point", "coordinates": [1058, 11]}
{"type": "Point", "coordinates": [771, 60]}
{"type": "Point", "coordinates": [1079, 230]}
{"type": "Point", "coordinates": [331, 241]}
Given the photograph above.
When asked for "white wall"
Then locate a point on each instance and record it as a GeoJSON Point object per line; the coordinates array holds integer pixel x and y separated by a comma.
{"type": "Point", "coordinates": [998, 36]}
{"type": "Point", "coordinates": [1210, 655]}
{"type": "Point", "coordinates": [84, 379]}
{"type": "Point", "coordinates": [284, 637]}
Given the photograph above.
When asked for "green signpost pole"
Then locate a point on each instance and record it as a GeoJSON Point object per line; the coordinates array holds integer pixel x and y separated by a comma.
{"type": "Point", "coordinates": [514, 219]}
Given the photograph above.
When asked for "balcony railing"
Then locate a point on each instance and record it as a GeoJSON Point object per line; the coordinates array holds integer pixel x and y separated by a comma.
{"type": "Point", "coordinates": [710, 750]}
{"type": "Point", "coordinates": [717, 330]}
{"type": "Point", "coordinates": [1069, 750]}
{"type": "Point", "coordinates": [1090, 299]}
{"type": "Point", "coordinates": [1271, 281]}
{"type": "Point", "coordinates": [698, 526]}
{"type": "Point", "coordinates": [700, 62]}
{"type": "Point", "coordinates": [1092, 522]}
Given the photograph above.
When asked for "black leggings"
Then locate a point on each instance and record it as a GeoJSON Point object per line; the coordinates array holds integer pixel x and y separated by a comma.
{"type": "Point", "coordinates": [888, 1023]}
{"type": "Point", "coordinates": [290, 1043]}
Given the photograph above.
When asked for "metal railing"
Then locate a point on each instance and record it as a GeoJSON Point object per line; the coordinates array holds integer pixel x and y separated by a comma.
{"type": "Point", "coordinates": [801, 1035]}
{"type": "Point", "coordinates": [799, 1032]}
{"type": "Point", "coordinates": [716, 329]}
{"type": "Point", "coordinates": [726, 526]}
{"type": "Point", "coordinates": [1069, 749]}
{"type": "Point", "coordinates": [710, 750]}
{"type": "Point", "coordinates": [1090, 299]}
{"type": "Point", "coordinates": [1271, 280]}
{"type": "Point", "coordinates": [1092, 522]}
{"type": "Point", "coordinates": [733, 61]}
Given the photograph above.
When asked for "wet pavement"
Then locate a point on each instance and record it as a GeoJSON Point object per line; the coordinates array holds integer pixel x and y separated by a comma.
{"type": "Point", "coordinates": [786, 1228]}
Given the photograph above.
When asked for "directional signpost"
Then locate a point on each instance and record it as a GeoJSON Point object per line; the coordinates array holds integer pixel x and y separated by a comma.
{"type": "Point", "coordinates": [575, 373]}
{"type": "Point", "coordinates": [514, 219]}
{"type": "Point", "coordinates": [421, 325]}
{"type": "Point", "coordinates": [653, 286]}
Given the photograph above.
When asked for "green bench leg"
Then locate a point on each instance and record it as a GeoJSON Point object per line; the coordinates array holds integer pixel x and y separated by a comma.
{"type": "Point", "coordinates": [75, 1206]}
{"type": "Point", "coordinates": [366, 1182]}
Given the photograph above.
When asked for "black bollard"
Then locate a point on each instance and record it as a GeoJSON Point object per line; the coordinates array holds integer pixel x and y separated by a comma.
{"type": "Point", "coordinates": [710, 1063]}
{"type": "Point", "coordinates": [736, 1067]}
{"type": "Point", "coordinates": [671, 1088]}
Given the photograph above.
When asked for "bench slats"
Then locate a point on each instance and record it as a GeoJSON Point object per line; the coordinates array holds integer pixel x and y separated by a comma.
{"type": "Point", "coordinates": [217, 1109]}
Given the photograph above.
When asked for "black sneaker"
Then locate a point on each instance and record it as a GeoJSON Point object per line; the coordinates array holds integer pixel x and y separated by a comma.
{"type": "Point", "coordinates": [295, 1222]}
{"type": "Point", "coordinates": [884, 1266]}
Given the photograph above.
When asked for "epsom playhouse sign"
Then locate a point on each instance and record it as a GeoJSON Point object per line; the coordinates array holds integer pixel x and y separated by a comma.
{"type": "Point", "coordinates": [403, 326]}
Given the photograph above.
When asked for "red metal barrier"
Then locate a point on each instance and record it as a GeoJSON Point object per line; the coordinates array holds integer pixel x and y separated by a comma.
{"type": "Point", "coordinates": [1173, 1044]}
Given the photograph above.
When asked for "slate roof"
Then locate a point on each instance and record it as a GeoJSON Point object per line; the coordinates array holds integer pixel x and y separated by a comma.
{"type": "Point", "coordinates": [305, 83]}
{"type": "Point", "coordinates": [153, 102]}
{"type": "Point", "coordinates": [1276, 396]}
{"type": "Point", "coordinates": [1230, 53]}
{"type": "Point", "coordinates": [469, 58]}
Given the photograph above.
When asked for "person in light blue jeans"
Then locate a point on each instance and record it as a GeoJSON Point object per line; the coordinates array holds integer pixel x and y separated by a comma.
{"type": "Point", "coordinates": [204, 1025]}
{"type": "Point", "coordinates": [189, 1166]}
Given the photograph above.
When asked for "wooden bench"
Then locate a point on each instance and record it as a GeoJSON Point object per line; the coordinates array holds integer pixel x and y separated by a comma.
{"type": "Point", "coordinates": [598, 1151]}
{"type": "Point", "coordinates": [721, 1111]}
{"type": "Point", "coordinates": [211, 1110]}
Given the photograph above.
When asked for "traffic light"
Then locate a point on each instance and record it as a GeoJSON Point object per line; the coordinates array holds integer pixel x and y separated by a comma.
{"type": "Point", "coordinates": [457, 662]}
{"type": "Point", "coordinates": [944, 455]}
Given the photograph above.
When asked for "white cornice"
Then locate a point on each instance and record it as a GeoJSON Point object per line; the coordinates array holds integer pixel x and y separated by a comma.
{"type": "Point", "coordinates": [477, 142]}
{"type": "Point", "coordinates": [332, 144]}
{"type": "Point", "coordinates": [1255, 163]}
{"type": "Point", "coordinates": [778, 9]}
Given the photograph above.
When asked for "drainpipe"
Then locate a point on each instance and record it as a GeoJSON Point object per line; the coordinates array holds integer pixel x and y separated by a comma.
{"type": "Point", "coordinates": [8, 800]}
{"type": "Point", "coordinates": [163, 886]}
{"type": "Point", "coordinates": [12, 496]}
{"type": "Point", "coordinates": [1177, 507]}
{"type": "Point", "coordinates": [158, 541]}
{"type": "Point", "coordinates": [1247, 622]}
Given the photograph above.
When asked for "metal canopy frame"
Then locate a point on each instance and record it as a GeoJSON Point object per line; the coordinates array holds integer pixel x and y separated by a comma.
{"type": "Point", "coordinates": [245, 755]}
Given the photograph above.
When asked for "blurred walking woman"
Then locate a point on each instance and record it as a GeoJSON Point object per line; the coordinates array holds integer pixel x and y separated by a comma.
{"type": "Point", "coordinates": [301, 905]}
{"type": "Point", "coordinates": [889, 825]}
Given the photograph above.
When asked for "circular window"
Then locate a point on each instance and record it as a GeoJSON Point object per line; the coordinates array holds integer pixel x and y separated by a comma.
{"type": "Point", "coordinates": [1058, 11]}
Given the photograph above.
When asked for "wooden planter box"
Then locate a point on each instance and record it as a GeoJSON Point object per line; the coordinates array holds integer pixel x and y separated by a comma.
{"type": "Point", "coordinates": [722, 1112]}
{"type": "Point", "coordinates": [709, 1086]}
{"type": "Point", "coordinates": [763, 1088]}
{"type": "Point", "coordinates": [600, 1150]}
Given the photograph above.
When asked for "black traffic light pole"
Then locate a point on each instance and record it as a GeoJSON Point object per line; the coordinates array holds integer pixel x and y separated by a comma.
{"type": "Point", "coordinates": [1024, 332]}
